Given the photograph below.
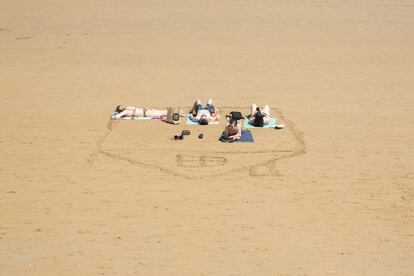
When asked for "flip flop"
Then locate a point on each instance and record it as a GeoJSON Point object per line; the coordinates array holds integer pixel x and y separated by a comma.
{"type": "Point", "coordinates": [185, 132]}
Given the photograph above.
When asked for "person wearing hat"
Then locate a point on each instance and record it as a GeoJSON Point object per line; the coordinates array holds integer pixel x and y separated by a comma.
{"type": "Point", "coordinates": [203, 115]}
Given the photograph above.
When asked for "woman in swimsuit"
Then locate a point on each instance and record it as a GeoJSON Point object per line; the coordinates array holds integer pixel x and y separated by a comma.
{"type": "Point", "coordinates": [132, 111]}
{"type": "Point", "coordinates": [232, 130]}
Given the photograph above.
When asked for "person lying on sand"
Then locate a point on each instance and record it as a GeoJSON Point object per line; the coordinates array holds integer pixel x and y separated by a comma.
{"type": "Point", "coordinates": [259, 117]}
{"type": "Point", "coordinates": [232, 130]}
{"type": "Point", "coordinates": [203, 115]}
{"type": "Point", "coordinates": [132, 111]}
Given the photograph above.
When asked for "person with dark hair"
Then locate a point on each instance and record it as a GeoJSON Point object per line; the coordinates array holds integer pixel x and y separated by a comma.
{"type": "Point", "coordinates": [259, 117]}
{"type": "Point", "coordinates": [203, 120]}
{"type": "Point", "coordinates": [132, 111]}
{"type": "Point", "coordinates": [203, 115]}
{"type": "Point", "coordinates": [233, 130]}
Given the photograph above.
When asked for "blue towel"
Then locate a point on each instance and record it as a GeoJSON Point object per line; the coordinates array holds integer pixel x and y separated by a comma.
{"type": "Point", "coordinates": [189, 122]}
{"type": "Point", "coordinates": [245, 137]}
{"type": "Point", "coordinates": [271, 124]}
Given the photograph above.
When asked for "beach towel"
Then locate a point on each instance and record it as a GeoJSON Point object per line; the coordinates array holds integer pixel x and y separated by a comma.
{"type": "Point", "coordinates": [135, 118]}
{"type": "Point", "coordinates": [189, 122]}
{"type": "Point", "coordinates": [246, 137]}
{"type": "Point", "coordinates": [271, 124]}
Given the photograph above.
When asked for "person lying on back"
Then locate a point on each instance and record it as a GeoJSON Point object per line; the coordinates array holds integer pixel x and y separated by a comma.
{"type": "Point", "coordinates": [258, 117]}
{"type": "Point", "coordinates": [132, 111]}
{"type": "Point", "coordinates": [203, 115]}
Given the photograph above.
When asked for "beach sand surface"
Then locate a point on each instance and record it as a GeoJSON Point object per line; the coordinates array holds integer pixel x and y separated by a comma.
{"type": "Point", "coordinates": [330, 194]}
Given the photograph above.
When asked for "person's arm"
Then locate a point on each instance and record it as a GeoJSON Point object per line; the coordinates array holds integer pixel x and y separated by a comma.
{"type": "Point", "coordinates": [122, 114]}
{"type": "Point", "coordinates": [251, 119]}
{"type": "Point", "coordinates": [214, 118]}
{"type": "Point", "coordinates": [226, 131]}
{"type": "Point", "coordinates": [238, 135]}
{"type": "Point", "coordinates": [194, 118]}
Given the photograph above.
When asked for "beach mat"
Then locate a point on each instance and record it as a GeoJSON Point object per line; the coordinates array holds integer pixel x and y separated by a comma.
{"type": "Point", "coordinates": [246, 137]}
{"type": "Point", "coordinates": [136, 118]}
{"type": "Point", "coordinates": [189, 122]}
{"type": "Point", "coordinates": [271, 124]}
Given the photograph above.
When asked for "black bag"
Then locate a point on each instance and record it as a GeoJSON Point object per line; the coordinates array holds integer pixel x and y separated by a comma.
{"type": "Point", "coordinates": [236, 115]}
{"type": "Point", "coordinates": [258, 119]}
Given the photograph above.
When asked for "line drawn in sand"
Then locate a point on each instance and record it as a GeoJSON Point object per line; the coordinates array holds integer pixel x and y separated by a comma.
{"type": "Point", "coordinates": [190, 161]}
{"type": "Point", "coordinates": [299, 149]}
{"type": "Point", "coordinates": [263, 168]}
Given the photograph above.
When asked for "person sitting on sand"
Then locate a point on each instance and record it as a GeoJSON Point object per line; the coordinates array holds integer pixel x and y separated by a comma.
{"type": "Point", "coordinates": [132, 111]}
{"type": "Point", "coordinates": [233, 130]}
{"type": "Point", "coordinates": [259, 117]}
{"type": "Point", "coordinates": [203, 115]}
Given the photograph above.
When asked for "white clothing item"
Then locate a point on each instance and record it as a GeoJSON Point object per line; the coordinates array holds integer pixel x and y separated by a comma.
{"type": "Point", "coordinates": [155, 112]}
{"type": "Point", "coordinates": [201, 113]}
{"type": "Point", "coordinates": [131, 111]}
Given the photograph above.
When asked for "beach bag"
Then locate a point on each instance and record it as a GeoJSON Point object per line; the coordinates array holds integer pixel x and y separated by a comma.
{"type": "Point", "coordinates": [173, 116]}
{"type": "Point", "coordinates": [236, 115]}
{"type": "Point", "coordinates": [258, 119]}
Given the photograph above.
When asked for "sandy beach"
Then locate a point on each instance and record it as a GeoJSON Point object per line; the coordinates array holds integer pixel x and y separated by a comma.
{"type": "Point", "coordinates": [330, 194]}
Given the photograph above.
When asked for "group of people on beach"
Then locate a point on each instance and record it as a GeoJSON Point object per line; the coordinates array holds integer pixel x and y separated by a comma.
{"type": "Point", "coordinates": [202, 115]}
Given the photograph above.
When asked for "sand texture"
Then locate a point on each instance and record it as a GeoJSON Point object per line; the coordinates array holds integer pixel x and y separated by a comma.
{"type": "Point", "coordinates": [330, 194]}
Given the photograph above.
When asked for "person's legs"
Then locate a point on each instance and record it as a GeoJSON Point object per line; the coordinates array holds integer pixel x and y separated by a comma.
{"type": "Point", "coordinates": [266, 110]}
{"type": "Point", "coordinates": [253, 109]}
{"type": "Point", "coordinates": [210, 106]}
{"type": "Point", "coordinates": [155, 112]}
{"type": "Point", "coordinates": [196, 107]}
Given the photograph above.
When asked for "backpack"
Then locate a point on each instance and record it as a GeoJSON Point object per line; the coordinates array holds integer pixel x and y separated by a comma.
{"type": "Point", "coordinates": [236, 115]}
{"type": "Point", "coordinates": [258, 119]}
